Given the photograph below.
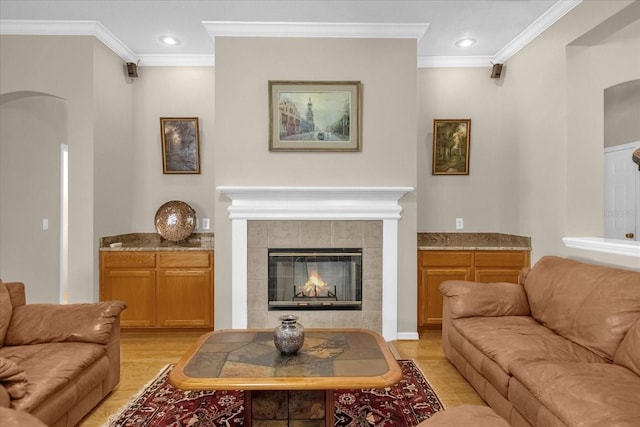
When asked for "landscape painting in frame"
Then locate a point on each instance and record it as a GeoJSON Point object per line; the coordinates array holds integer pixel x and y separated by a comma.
{"type": "Point", "coordinates": [314, 116]}
{"type": "Point", "coordinates": [451, 140]}
{"type": "Point", "coordinates": [180, 145]}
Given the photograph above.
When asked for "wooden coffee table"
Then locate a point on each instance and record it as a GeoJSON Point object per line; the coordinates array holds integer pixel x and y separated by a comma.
{"type": "Point", "coordinates": [247, 360]}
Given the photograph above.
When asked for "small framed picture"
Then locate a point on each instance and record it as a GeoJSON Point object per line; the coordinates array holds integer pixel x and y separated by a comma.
{"type": "Point", "coordinates": [180, 145]}
{"type": "Point", "coordinates": [315, 116]}
{"type": "Point", "coordinates": [451, 140]}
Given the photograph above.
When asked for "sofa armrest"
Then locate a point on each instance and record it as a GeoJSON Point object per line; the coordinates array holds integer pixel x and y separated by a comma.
{"type": "Point", "coordinates": [470, 299]}
{"type": "Point", "coordinates": [46, 323]}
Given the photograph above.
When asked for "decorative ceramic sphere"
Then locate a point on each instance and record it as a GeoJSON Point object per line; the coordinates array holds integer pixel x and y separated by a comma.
{"type": "Point", "coordinates": [288, 336]}
{"type": "Point", "coordinates": [175, 220]}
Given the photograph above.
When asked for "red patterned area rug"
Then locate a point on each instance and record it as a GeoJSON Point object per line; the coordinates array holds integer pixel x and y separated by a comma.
{"type": "Point", "coordinates": [159, 404]}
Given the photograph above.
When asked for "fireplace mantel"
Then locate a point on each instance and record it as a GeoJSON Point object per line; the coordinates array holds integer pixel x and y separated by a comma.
{"type": "Point", "coordinates": [322, 203]}
{"type": "Point", "coordinates": [316, 203]}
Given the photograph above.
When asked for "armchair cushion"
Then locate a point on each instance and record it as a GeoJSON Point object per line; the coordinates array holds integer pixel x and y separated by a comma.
{"type": "Point", "coordinates": [13, 378]}
{"type": "Point", "coordinates": [48, 323]}
{"type": "Point", "coordinates": [470, 299]}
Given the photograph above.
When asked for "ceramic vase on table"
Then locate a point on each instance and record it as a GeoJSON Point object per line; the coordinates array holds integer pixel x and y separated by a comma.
{"type": "Point", "coordinates": [288, 336]}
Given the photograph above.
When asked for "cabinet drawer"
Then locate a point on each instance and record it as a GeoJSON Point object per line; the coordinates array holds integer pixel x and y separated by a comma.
{"type": "Point", "coordinates": [129, 259]}
{"type": "Point", "coordinates": [501, 259]}
{"type": "Point", "coordinates": [184, 259]}
{"type": "Point", "coordinates": [445, 259]}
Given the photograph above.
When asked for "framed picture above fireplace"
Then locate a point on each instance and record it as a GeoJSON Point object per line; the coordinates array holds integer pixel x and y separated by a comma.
{"type": "Point", "coordinates": [315, 115]}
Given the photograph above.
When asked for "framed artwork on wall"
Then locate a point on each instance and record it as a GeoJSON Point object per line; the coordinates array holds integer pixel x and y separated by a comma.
{"type": "Point", "coordinates": [451, 143]}
{"type": "Point", "coordinates": [180, 145]}
{"type": "Point", "coordinates": [315, 116]}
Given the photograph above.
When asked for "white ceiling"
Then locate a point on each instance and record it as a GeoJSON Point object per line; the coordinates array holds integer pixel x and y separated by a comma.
{"type": "Point", "coordinates": [132, 28]}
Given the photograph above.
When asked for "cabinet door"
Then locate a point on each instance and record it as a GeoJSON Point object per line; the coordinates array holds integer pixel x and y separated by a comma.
{"type": "Point", "coordinates": [501, 266]}
{"type": "Point", "coordinates": [185, 298]}
{"type": "Point", "coordinates": [435, 267]}
{"type": "Point", "coordinates": [431, 312]}
{"type": "Point", "coordinates": [137, 288]}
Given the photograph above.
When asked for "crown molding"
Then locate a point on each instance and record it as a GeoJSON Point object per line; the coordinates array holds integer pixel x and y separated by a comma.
{"type": "Point", "coordinates": [290, 29]}
{"type": "Point", "coordinates": [550, 17]}
{"type": "Point", "coordinates": [68, 28]}
{"type": "Point", "coordinates": [315, 29]}
{"type": "Point", "coordinates": [454, 61]}
{"type": "Point", "coordinates": [176, 60]}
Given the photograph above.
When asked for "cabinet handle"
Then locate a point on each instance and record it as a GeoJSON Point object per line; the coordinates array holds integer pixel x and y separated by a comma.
{"type": "Point", "coordinates": [629, 235]}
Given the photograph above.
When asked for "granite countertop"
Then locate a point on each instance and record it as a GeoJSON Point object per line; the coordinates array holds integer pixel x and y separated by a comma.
{"type": "Point", "coordinates": [426, 242]}
{"type": "Point", "coordinates": [155, 242]}
{"type": "Point", "coordinates": [473, 242]}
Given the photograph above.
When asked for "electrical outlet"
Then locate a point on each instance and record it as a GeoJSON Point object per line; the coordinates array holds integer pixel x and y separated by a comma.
{"type": "Point", "coordinates": [459, 223]}
{"type": "Point", "coordinates": [45, 224]}
{"type": "Point", "coordinates": [197, 227]}
{"type": "Point", "coordinates": [205, 223]}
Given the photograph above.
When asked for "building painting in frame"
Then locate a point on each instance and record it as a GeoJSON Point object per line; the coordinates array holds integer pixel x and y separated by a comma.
{"type": "Point", "coordinates": [314, 116]}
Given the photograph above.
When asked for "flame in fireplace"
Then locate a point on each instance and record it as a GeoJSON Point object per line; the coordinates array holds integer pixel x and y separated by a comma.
{"type": "Point", "coordinates": [314, 285]}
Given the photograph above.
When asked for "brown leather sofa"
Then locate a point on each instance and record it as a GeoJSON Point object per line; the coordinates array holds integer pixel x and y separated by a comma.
{"type": "Point", "coordinates": [56, 361]}
{"type": "Point", "coordinates": [560, 349]}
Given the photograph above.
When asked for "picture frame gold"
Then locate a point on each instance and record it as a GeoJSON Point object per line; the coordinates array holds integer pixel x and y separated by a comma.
{"type": "Point", "coordinates": [180, 137]}
{"type": "Point", "coordinates": [315, 115]}
{"type": "Point", "coordinates": [451, 146]}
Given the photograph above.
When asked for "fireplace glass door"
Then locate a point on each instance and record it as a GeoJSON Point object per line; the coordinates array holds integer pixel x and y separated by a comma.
{"type": "Point", "coordinates": [315, 279]}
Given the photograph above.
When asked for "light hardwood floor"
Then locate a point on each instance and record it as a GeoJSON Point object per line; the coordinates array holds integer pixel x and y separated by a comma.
{"type": "Point", "coordinates": [143, 354]}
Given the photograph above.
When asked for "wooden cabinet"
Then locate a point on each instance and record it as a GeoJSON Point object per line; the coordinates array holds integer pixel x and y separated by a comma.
{"type": "Point", "coordinates": [161, 289]}
{"type": "Point", "coordinates": [499, 266]}
{"type": "Point", "coordinates": [435, 267]}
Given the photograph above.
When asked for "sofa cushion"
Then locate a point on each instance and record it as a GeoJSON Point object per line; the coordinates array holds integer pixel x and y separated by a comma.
{"type": "Point", "coordinates": [5, 311]}
{"type": "Point", "coordinates": [514, 340]}
{"type": "Point", "coordinates": [47, 323]}
{"type": "Point", "coordinates": [628, 354]}
{"type": "Point", "coordinates": [49, 367]}
{"type": "Point", "coordinates": [583, 394]}
{"type": "Point", "coordinates": [591, 305]}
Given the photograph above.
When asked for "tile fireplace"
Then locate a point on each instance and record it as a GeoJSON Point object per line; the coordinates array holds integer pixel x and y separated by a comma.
{"type": "Point", "coordinates": [304, 210]}
{"type": "Point", "coordinates": [315, 279]}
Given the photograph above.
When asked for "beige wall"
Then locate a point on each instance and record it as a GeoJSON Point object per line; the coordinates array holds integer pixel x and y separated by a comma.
{"type": "Point", "coordinates": [622, 113]}
{"type": "Point", "coordinates": [387, 69]}
{"type": "Point", "coordinates": [614, 60]}
{"type": "Point", "coordinates": [62, 66]}
{"type": "Point", "coordinates": [536, 134]}
{"type": "Point", "coordinates": [170, 92]}
{"type": "Point", "coordinates": [536, 147]}
{"type": "Point", "coordinates": [32, 127]}
{"type": "Point", "coordinates": [114, 165]}
{"type": "Point", "coordinates": [484, 198]}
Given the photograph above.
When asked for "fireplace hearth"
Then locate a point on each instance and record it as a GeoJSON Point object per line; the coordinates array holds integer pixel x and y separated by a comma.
{"type": "Point", "coordinates": [315, 279]}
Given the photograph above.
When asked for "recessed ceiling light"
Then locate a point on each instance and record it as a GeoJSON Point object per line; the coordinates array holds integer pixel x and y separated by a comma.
{"type": "Point", "coordinates": [171, 41]}
{"type": "Point", "coordinates": [465, 42]}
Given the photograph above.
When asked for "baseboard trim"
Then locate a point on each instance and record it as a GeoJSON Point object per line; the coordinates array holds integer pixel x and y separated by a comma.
{"type": "Point", "coordinates": [408, 336]}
